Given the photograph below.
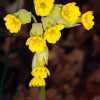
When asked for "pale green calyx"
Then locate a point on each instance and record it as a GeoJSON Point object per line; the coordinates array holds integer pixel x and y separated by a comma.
{"type": "Point", "coordinates": [24, 16]}
{"type": "Point", "coordinates": [38, 57]}
{"type": "Point", "coordinates": [48, 22]}
{"type": "Point", "coordinates": [36, 30]}
{"type": "Point", "coordinates": [56, 14]}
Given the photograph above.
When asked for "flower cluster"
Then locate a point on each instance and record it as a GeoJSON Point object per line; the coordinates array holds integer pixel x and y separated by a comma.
{"type": "Point", "coordinates": [40, 72]}
{"type": "Point", "coordinates": [71, 13]}
{"type": "Point", "coordinates": [54, 18]}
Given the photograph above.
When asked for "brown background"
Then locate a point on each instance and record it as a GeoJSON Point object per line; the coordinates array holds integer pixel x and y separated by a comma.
{"type": "Point", "coordinates": [74, 62]}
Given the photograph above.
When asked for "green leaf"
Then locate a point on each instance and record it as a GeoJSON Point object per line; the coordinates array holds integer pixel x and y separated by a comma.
{"type": "Point", "coordinates": [36, 30]}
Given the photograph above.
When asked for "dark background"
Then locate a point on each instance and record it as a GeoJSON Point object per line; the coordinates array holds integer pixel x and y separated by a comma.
{"type": "Point", "coordinates": [74, 62]}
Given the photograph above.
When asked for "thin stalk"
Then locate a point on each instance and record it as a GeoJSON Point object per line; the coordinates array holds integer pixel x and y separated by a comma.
{"type": "Point", "coordinates": [34, 18]}
{"type": "Point", "coordinates": [6, 35]}
{"type": "Point", "coordinates": [42, 93]}
{"type": "Point", "coordinates": [4, 73]}
{"type": "Point", "coordinates": [18, 3]}
{"type": "Point", "coordinates": [6, 61]}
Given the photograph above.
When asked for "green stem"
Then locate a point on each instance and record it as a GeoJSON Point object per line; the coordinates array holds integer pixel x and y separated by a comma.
{"type": "Point", "coordinates": [42, 93]}
{"type": "Point", "coordinates": [34, 18]}
{"type": "Point", "coordinates": [18, 5]}
{"type": "Point", "coordinates": [5, 35]}
{"type": "Point", "coordinates": [4, 74]}
{"type": "Point", "coordinates": [6, 61]}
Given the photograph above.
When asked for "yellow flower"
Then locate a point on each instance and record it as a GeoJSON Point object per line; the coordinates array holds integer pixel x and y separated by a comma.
{"type": "Point", "coordinates": [12, 23]}
{"type": "Point", "coordinates": [37, 82]}
{"type": "Point", "coordinates": [87, 20]}
{"type": "Point", "coordinates": [70, 12]}
{"type": "Point", "coordinates": [53, 34]}
{"type": "Point", "coordinates": [40, 71]}
{"type": "Point", "coordinates": [36, 44]}
{"type": "Point", "coordinates": [43, 7]}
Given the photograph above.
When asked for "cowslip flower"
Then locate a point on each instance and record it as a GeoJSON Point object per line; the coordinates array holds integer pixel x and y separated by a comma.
{"type": "Point", "coordinates": [37, 81]}
{"type": "Point", "coordinates": [13, 24]}
{"type": "Point", "coordinates": [36, 44]}
{"type": "Point", "coordinates": [87, 20]}
{"type": "Point", "coordinates": [70, 12]}
{"type": "Point", "coordinates": [53, 34]}
{"type": "Point", "coordinates": [43, 7]}
{"type": "Point", "coordinates": [40, 71]}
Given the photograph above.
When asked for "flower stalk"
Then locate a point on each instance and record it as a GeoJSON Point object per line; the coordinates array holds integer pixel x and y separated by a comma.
{"type": "Point", "coordinates": [42, 93]}
{"type": "Point", "coordinates": [34, 19]}
{"type": "Point", "coordinates": [6, 61]}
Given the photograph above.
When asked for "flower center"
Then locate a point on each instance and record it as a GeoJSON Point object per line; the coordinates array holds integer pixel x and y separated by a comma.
{"type": "Point", "coordinates": [52, 31]}
{"type": "Point", "coordinates": [66, 13]}
{"type": "Point", "coordinates": [43, 5]}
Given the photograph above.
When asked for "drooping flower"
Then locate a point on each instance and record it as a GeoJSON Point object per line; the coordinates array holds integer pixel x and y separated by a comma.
{"type": "Point", "coordinates": [53, 34]}
{"type": "Point", "coordinates": [13, 24]}
{"type": "Point", "coordinates": [40, 71]}
{"type": "Point", "coordinates": [70, 12]}
{"type": "Point", "coordinates": [87, 20]}
{"type": "Point", "coordinates": [37, 81]}
{"type": "Point", "coordinates": [36, 44]}
{"type": "Point", "coordinates": [43, 7]}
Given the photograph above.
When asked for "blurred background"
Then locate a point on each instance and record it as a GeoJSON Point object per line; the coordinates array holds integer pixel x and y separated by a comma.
{"type": "Point", "coordinates": [74, 62]}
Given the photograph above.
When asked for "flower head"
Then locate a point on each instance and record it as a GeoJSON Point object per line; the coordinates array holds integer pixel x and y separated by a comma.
{"type": "Point", "coordinates": [43, 7]}
{"type": "Point", "coordinates": [70, 12]}
{"type": "Point", "coordinates": [36, 44]}
{"type": "Point", "coordinates": [37, 81]}
{"type": "Point", "coordinates": [87, 20]}
{"type": "Point", "coordinates": [12, 23]}
{"type": "Point", "coordinates": [40, 71]}
{"type": "Point", "coordinates": [53, 34]}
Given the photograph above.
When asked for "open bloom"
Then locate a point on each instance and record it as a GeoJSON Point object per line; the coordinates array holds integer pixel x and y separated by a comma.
{"type": "Point", "coordinates": [87, 20]}
{"type": "Point", "coordinates": [40, 71]}
{"type": "Point", "coordinates": [12, 23]}
{"type": "Point", "coordinates": [43, 7]}
{"type": "Point", "coordinates": [53, 34]}
{"type": "Point", "coordinates": [36, 44]}
{"type": "Point", "coordinates": [37, 81]}
{"type": "Point", "coordinates": [70, 12]}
